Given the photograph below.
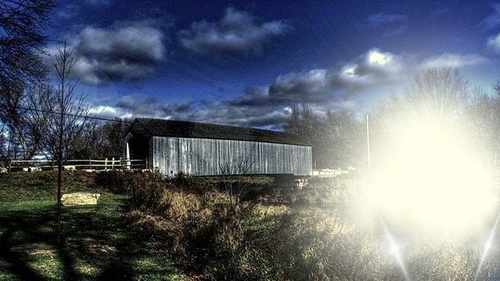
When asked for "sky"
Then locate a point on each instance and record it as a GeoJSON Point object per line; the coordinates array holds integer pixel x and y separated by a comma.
{"type": "Point", "coordinates": [248, 63]}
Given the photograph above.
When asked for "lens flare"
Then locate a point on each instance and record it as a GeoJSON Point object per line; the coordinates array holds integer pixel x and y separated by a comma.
{"type": "Point", "coordinates": [394, 248]}
{"type": "Point", "coordinates": [434, 180]}
{"type": "Point", "coordinates": [487, 247]}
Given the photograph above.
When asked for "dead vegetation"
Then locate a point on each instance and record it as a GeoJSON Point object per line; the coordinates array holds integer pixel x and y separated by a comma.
{"type": "Point", "coordinates": [319, 232]}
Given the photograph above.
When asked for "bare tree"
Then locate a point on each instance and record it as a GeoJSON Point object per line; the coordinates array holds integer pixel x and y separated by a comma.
{"type": "Point", "coordinates": [339, 142]}
{"type": "Point", "coordinates": [23, 122]}
{"type": "Point", "coordinates": [4, 159]}
{"type": "Point", "coordinates": [21, 41]}
{"type": "Point", "coordinates": [10, 115]}
{"type": "Point", "coordinates": [437, 96]}
{"type": "Point", "coordinates": [38, 110]}
{"type": "Point", "coordinates": [496, 87]}
{"type": "Point", "coordinates": [114, 141]}
{"type": "Point", "coordinates": [303, 122]}
{"type": "Point", "coordinates": [22, 23]}
{"type": "Point", "coordinates": [333, 137]}
{"type": "Point", "coordinates": [71, 116]}
{"type": "Point", "coordinates": [438, 99]}
{"type": "Point", "coordinates": [340, 124]}
{"type": "Point", "coordinates": [238, 168]}
{"type": "Point", "coordinates": [106, 141]}
{"type": "Point", "coordinates": [483, 124]}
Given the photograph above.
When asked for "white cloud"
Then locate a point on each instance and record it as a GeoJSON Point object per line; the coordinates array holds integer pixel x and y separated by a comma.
{"type": "Point", "coordinates": [375, 57]}
{"type": "Point", "coordinates": [236, 33]}
{"type": "Point", "coordinates": [494, 43]}
{"type": "Point", "coordinates": [101, 109]}
{"type": "Point", "coordinates": [142, 42]}
{"type": "Point", "coordinates": [454, 60]}
{"type": "Point", "coordinates": [124, 51]}
{"type": "Point", "coordinates": [375, 67]}
{"type": "Point", "coordinates": [109, 112]}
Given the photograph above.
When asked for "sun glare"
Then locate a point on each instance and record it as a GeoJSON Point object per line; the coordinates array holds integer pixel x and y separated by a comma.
{"type": "Point", "coordinates": [376, 57]}
{"type": "Point", "coordinates": [433, 181]}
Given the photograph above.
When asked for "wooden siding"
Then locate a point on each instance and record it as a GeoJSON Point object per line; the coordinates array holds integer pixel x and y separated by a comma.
{"type": "Point", "coordinates": [197, 156]}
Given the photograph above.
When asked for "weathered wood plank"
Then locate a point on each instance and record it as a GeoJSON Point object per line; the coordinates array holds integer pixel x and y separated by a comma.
{"type": "Point", "coordinates": [208, 156]}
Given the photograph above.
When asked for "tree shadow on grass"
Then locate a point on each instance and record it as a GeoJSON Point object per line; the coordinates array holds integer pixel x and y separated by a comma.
{"type": "Point", "coordinates": [15, 260]}
{"type": "Point", "coordinates": [97, 245]}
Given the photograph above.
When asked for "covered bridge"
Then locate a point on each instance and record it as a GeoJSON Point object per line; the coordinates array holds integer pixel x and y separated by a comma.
{"type": "Point", "coordinates": [208, 149]}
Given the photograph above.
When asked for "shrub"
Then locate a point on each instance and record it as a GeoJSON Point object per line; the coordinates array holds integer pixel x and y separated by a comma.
{"type": "Point", "coordinates": [208, 232]}
{"type": "Point", "coordinates": [215, 237]}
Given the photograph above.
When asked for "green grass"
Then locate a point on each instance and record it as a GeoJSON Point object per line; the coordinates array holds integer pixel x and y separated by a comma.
{"type": "Point", "coordinates": [324, 231]}
{"type": "Point", "coordinates": [98, 244]}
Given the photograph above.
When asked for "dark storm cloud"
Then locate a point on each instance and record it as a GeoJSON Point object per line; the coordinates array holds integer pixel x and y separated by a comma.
{"type": "Point", "coordinates": [147, 107]}
{"type": "Point", "coordinates": [173, 109]}
{"type": "Point", "coordinates": [202, 111]}
{"type": "Point", "coordinates": [323, 89]}
{"type": "Point", "coordinates": [128, 103]}
{"type": "Point", "coordinates": [236, 33]}
{"type": "Point", "coordinates": [308, 87]}
{"type": "Point", "coordinates": [124, 51]}
{"type": "Point", "coordinates": [319, 86]}
{"type": "Point", "coordinates": [335, 89]}
{"type": "Point", "coordinates": [226, 113]}
{"type": "Point", "coordinates": [269, 117]}
{"type": "Point", "coordinates": [252, 97]}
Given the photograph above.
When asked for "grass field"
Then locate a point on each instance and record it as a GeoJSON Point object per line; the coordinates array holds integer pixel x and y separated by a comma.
{"type": "Point", "coordinates": [98, 244]}
{"type": "Point", "coordinates": [187, 229]}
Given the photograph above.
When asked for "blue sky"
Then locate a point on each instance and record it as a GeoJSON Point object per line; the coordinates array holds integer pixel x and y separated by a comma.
{"type": "Point", "coordinates": [247, 63]}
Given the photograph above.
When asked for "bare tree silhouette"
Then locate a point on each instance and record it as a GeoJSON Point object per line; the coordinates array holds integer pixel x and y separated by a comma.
{"type": "Point", "coordinates": [71, 117]}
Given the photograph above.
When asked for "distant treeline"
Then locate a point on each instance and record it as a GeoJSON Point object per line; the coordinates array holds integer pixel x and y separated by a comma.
{"type": "Point", "coordinates": [438, 97]}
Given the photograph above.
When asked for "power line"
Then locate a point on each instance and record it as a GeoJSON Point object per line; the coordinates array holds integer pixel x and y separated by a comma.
{"type": "Point", "coordinates": [73, 115]}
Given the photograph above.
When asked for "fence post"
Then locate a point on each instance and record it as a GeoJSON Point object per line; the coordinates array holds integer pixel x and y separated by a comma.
{"type": "Point", "coordinates": [90, 163]}
{"type": "Point", "coordinates": [105, 163]}
{"type": "Point", "coordinates": [113, 163]}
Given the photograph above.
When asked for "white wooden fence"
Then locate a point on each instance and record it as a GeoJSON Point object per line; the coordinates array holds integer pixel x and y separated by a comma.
{"type": "Point", "coordinates": [328, 173]}
{"type": "Point", "coordinates": [79, 164]}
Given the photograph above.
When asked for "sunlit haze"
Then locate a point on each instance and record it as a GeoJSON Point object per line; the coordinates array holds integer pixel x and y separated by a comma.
{"type": "Point", "coordinates": [433, 181]}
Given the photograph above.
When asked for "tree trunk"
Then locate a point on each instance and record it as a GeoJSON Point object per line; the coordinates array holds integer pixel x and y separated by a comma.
{"type": "Point", "coordinates": [60, 155]}
{"type": "Point", "coordinates": [59, 207]}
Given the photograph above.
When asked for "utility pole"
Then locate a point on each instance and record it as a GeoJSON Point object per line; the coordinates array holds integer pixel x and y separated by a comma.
{"type": "Point", "coordinates": [368, 160]}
